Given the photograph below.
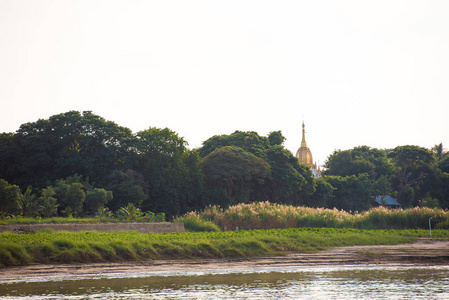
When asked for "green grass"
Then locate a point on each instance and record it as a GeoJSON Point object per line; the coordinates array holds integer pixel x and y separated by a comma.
{"type": "Point", "coordinates": [91, 246]}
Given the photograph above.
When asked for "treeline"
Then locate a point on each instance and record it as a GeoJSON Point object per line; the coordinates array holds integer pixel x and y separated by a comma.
{"type": "Point", "coordinates": [76, 163]}
{"type": "Point", "coordinates": [414, 175]}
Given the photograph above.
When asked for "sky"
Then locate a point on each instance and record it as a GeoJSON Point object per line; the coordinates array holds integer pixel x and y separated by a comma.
{"type": "Point", "coordinates": [372, 73]}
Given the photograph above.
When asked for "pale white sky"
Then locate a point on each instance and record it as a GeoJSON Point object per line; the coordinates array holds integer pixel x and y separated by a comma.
{"type": "Point", "coordinates": [370, 73]}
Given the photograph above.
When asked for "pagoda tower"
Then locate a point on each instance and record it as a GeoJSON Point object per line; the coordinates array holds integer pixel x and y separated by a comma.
{"type": "Point", "coordinates": [305, 155]}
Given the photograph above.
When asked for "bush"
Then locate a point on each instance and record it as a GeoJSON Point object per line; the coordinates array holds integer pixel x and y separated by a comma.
{"type": "Point", "coordinates": [193, 222]}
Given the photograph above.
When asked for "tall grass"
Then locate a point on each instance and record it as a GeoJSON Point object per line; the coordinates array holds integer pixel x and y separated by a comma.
{"type": "Point", "coordinates": [266, 215]}
{"type": "Point", "coordinates": [194, 222]}
{"type": "Point", "coordinates": [92, 246]}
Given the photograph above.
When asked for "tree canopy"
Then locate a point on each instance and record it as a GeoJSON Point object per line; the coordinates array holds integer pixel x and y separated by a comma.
{"type": "Point", "coordinates": [77, 163]}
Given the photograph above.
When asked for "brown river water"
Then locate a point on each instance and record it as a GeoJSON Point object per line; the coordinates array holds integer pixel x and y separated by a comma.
{"type": "Point", "coordinates": [293, 282]}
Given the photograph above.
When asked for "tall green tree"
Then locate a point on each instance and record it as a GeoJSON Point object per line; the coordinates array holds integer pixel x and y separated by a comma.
{"type": "Point", "coordinates": [249, 141]}
{"type": "Point", "coordinates": [67, 144]}
{"type": "Point", "coordinates": [159, 160]}
{"type": "Point", "coordinates": [359, 160]}
{"type": "Point", "coordinates": [9, 197]}
{"type": "Point", "coordinates": [351, 192]}
{"type": "Point", "coordinates": [192, 189]}
{"type": "Point", "coordinates": [412, 163]}
{"type": "Point", "coordinates": [240, 173]}
{"type": "Point", "coordinates": [290, 182]}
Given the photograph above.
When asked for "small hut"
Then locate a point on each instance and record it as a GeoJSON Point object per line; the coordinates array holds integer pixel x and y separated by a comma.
{"type": "Point", "coordinates": [387, 201]}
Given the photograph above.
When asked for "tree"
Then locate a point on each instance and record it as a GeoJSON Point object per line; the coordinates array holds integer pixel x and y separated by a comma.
{"type": "Point", "coordinates": [9, 196]}
{"type": "Point", "coordinates": [249, 141]}
{"type": "Point", "coordinates": [28, 204]}
{"type": "Point", "coordinates": [359, 160]}
{"type": "Point", "coordinates": [239, 172]}
{"type": "Point", "coordinates": [408, 197]}
{"type": "Point", "coordinates": [275, 138]}
{"type": "Point", "coordinates": [192, 189]}
{"type": "Point", "coordinates": [67, 144]}
{"type": "Point", "coordinates": [351, 192]}
{"type": "Point", "coordinates": [412, 164]}
{"type": "Point", "coordinates": [443, 164]}
{"type": "Point", "coordinates": [382, 187]}
{"type": "Point", "coordinates": [95, 199]}
{"type": "Point", "coordinates": [8, 166]}
{"type": "Point", "coordinates": [290, 182]}
{"type": "Point", "coordinates": [429, 202]}
{"type": "Point", "coordinates": [438, 151]}
{"type": "Point", "coordinates": [48, 206]}
{"type": "Point", "coordinates": [339, 164]}
{"type": "Point", "coordinates": [159, 160]}
{"type": "Point", "coordinates": [323, 194]}
{"type": "Point", "coordinates": [126, 187]}
{"type": "Point", "coordinates": [70, 197]}
{"type": "Point", "coordinates": [444, 200]}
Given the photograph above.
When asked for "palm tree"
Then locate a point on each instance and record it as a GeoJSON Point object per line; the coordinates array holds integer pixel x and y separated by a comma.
{"type": "Point", "coordinates": [27, 204]}
{"type": "Point", "coordinates": [438, 151]}
{"type": "Point", "coordinates": [130, 212]}
{"type": "Point", "coordinates": [104, 212]}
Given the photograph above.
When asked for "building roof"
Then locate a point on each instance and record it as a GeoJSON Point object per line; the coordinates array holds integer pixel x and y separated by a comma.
{"type": "Point", "coordinates": [387, 200]}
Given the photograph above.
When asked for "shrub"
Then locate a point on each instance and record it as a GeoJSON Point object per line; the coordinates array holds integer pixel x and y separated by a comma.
{"type": "Point", "coordinates": [193, 222]}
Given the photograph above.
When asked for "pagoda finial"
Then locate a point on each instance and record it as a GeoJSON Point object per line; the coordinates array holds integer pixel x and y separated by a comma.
{"type": "Point", "coordinates": [303, 142]}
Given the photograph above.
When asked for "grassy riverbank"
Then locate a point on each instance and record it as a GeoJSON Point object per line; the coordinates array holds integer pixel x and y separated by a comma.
{"type": "Point", "coordinates": [91, 246]}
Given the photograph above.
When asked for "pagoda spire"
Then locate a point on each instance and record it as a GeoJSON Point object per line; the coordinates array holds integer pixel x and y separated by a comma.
{"type": "Point", "coordinates": [303, 142]}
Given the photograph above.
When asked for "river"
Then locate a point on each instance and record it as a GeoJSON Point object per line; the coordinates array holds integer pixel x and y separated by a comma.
{"type": "Point", "coordinates": [319, 282]}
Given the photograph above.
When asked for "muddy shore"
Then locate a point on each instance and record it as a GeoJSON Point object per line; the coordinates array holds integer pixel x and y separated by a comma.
{"type": "Point", "coordinates": [423, 252]}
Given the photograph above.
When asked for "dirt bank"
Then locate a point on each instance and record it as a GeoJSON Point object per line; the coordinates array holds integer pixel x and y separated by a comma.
{"type": "Point", "coordinates": [157, 227]}
{"type": "Point", "coordinates": [423, 252]}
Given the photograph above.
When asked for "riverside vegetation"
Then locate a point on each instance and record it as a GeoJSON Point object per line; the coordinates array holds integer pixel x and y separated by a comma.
{"type": "Point", "coordinates": [91, 246]}
{"type": "Point", "coordinates": [205, 239]}
{"type": "Point", "coordinates": [129, 213]}
{"type": "Point", "coordinates": [266, 215]}
{"type": "Point", "coordinates": [80, 165]}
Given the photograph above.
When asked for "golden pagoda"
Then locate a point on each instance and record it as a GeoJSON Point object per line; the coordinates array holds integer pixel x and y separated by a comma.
{"type": "Point", "coordinates": [305, 155]}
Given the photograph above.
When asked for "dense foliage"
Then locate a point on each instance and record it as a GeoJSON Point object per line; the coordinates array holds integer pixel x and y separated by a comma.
{"type": "Point", "coordinates": [77, 164]}
{"type": "Point", "coordinates": [414, 175]}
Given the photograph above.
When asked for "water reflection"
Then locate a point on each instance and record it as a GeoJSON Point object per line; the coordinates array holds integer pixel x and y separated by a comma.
{"type": "Point", "coordinates": [317, 283]}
